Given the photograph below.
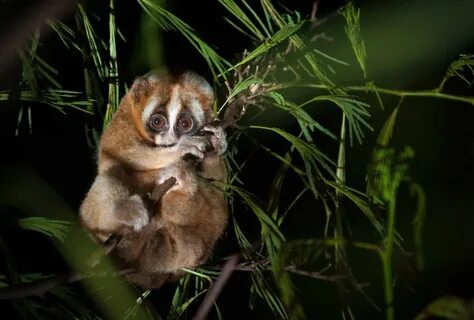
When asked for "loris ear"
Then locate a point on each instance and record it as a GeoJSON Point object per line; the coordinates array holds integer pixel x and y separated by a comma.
{"type": "Point", "coordinates": [140, 89]}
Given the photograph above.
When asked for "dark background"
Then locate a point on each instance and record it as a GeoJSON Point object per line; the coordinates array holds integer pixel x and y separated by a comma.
{"type": "Point", "coordinates": [440, 132]}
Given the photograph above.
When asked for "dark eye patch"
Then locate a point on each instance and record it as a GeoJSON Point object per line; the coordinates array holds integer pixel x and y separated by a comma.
{"type": "Point", "coordinates": [158, 122]}
{"type": "Point", "coordinates": [186, 123]}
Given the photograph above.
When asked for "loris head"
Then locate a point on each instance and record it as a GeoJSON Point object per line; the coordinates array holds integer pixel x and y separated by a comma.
{"type": "Point", "coordinates": [166, 107]}
{"type": "Point", "coordinates": [154, 116]}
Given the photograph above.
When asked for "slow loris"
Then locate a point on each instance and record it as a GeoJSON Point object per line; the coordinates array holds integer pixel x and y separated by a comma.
{"type": "Point", "coordinates": [151, 136]}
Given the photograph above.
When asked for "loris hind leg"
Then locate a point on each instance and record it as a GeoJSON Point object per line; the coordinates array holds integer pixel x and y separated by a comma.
{"type": "Point", "coordinates": [110, 207]}
{"type": "Point", "coordinates": [170, 249]}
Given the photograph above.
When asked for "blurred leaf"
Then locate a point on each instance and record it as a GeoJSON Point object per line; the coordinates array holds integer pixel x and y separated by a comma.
{"type": "Point", "coordinates": [112, 70]}
{"type": "Point", "coordinates": [52, 228]}
{"type": "Point", "coordinates": [66, 34]}
{"type": "Point", "coordinates": [55, 98]}
{"type": "Point", "coordinates": [262, 288]}
{"type": "Point", "coordinates": [360, 200]}
{"type": "Point", "coordinates": [386, 172]}
{"type": "Point", "coordinates": [169, 21]}
{"type": "Point", "coordinates": [386, 132]}
{"type": "Point", "coordinates": [418, 222]}
{"type": "Point", "coordinates": [148, 51]}
{"type": "Point", "coordinates": [112, 295]}
{"type": "Point", "coordinates": [447, 307]}
{"type": "Point", "coordinates": [294, 253]}
{"type": "Point", "coordinates": [3, 281]}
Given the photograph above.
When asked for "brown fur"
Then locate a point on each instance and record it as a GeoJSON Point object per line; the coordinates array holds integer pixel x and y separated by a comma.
{"type": "Point", "coordinates": [189, 218]}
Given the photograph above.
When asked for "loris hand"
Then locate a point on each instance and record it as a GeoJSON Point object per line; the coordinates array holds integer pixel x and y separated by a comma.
{"type": "Point", "coordinates": [218, 138]}
{"type": "Point", "coordinates": [194, 145]}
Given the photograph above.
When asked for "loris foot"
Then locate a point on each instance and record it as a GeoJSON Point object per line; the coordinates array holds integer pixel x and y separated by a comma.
{"type": "Point", "coordinates": [131, 213]}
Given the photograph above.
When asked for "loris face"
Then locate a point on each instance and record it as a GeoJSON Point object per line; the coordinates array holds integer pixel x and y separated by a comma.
{"type": "Point", "coordinates": [173, 106]}
{"type": "Point", "coordinates": [156, 123]}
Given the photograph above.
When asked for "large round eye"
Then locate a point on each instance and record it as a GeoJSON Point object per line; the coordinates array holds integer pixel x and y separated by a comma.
{"type": "Point", "coordinates": [157, 122]}
{"type": "Point", "coordinates": [185, 123]}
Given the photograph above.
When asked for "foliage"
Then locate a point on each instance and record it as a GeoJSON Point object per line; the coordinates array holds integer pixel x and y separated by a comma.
{"type": "Point", "coordinates": [269, 79]}
{"type": "Point", "coordinates": [448, 307]}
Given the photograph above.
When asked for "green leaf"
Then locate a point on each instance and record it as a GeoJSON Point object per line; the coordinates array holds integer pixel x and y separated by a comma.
{"type": "Point", "coordinates": [300, 114]}
{"type": "Point", "coordinates": [182, 308]}
{"type": "Point", "coordinates": [418, 222]}
{"type": "Point", "coordinates": [447, 307]}
{"type": "Point", "coordinates": [241, 86]}
{"type": "Point", "coordinates": [386, 132]}
{"type": "Point", "coordinates": [355, 111]}
{"type": "Point", "coordinates": [281, 35]}
{"type": "Point", "coordinates": [66, 34]}
{"type": "Point", "coordinates": [354, 34]}
{"type": "Point", "coordinates": [112, 70]}
{"type": "Point", "coordinates": [269, 227]}
{"type": "Point", "coordinates": [308, 152]}
{"type": "Point", "coordinates": [56, 98]}
{"type": "Point", "coordinates": [52, 228]}
{"type": "Point", "coordinates": [243, 18]}
{"type": "Point", "coordinates": [360, 200]}
{"type": "Point", "coordinates": [92, 40]}
{"type": "Point", "coordinates": [458, 68]}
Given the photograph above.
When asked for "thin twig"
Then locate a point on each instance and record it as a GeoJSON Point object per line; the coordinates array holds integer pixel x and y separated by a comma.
{"type": "Point", "coordinates": [314, 274]}
{"type": "Point", "coordinates": [40, 287]}
{"type": "Point", "coordinates": [252, 266]}
{"type": "Point", "coordinates": [434, 93]}
{"type": "Point", "coordinates": [217, 287]}
{"type": "Point", "coordinates": [314, 10]}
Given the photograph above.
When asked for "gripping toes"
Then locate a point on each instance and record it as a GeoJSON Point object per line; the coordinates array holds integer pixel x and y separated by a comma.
{"type": "Point", "coordinates": [196, 146]}
{"type": "Point", "coordinates": [218, 138]}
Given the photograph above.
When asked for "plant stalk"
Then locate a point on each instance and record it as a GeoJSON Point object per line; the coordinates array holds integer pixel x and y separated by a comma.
{"type": "Point", "coordinates": [386, 256]}
{"type": "Point", "coordinates": [433, 93]}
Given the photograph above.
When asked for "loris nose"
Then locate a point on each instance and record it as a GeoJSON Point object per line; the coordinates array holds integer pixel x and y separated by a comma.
{"type": "Point", "coordinates": [166, 140]}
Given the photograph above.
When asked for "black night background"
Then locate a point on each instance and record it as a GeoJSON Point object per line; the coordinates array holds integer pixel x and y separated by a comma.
{"type": "Point", "coordinates": [48, 157]}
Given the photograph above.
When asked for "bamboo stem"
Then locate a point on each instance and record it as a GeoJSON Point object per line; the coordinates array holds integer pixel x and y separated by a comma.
{"type": "Point", "coordinates": [432, 93]}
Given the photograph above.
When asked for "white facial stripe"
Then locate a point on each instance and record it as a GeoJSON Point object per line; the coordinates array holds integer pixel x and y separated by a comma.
{"type": "Point", "coordinates": [197, 111]}
{"type": "Point", "coordinates": [149, 108]}
{"type": "Point", "coordinates": [174, 106]}
{"type": "Point", "coordinates": [172, 110]}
